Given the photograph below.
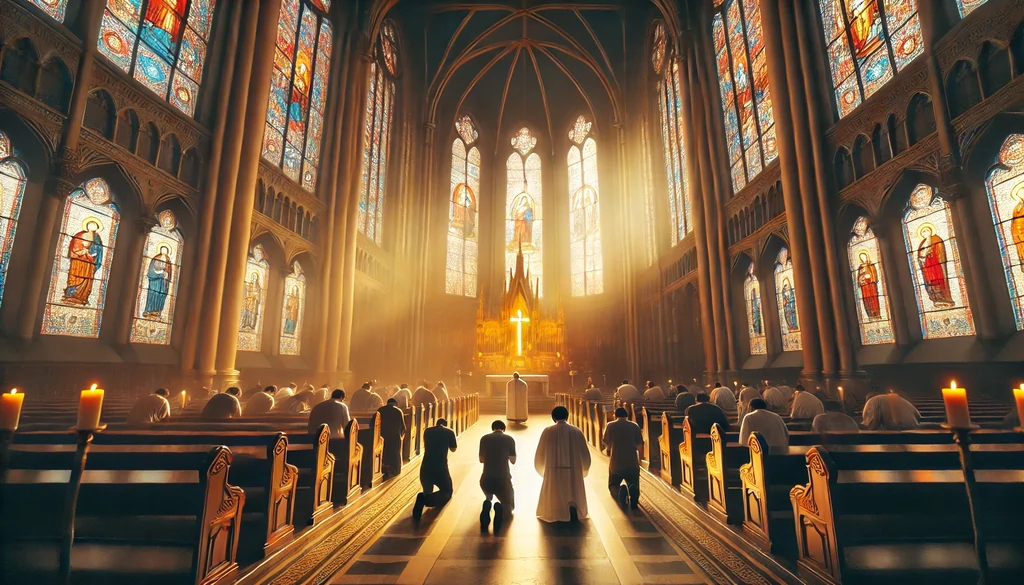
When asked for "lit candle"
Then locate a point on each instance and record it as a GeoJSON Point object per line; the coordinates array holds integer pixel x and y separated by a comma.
{"type": "Point", "coordinates": [10, 410]}
{"type": "Point", "coordinates": [184, 400]}
{"type": "Point", "coordinates": [958, 416]}
{"type": "Point", "coordinates": [1018, 397]}
{"type": "Point", "coordinates": [842, 396]}
{"type": "Point", "coordinates": [90, 405]}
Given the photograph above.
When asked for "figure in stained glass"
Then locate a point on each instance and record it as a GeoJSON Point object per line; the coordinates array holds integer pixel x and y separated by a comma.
{"type": "Point", "coordinates": [291, 310]}
{"type": "Point", "coordinates": [464, 211]}
{"type": "Point", "coordinates": [755, 312]}
{"type": "Point", "coordinates": [522, 212]}
{"type": "Point", "coordinates": [1005, 186]}
{"type": "Point", "coordinates": [867, 280]}
{"type": "Point", "coordinates": [460, 265]}
{"type": "Point", "coordinates": [154, 310]}
{"type": "Point", "coordinates": [251, 303]}
{"type": "Point", "coordinates": [380, 100]}
{"type": "Point", "coordinates": [55, 8]}
{"type": "Point", "coordinates": [785, 298]}
{"type": "Point", "coordinates": [931, 258]}
{"type": "Point", "coordinates": [85, 252]}
{"type": "Point", "coordinates": [789, 304]}
{"type": "Point", "coordinates": [865, 26]}
{"type": "Point", "coordinates": [1017, 223]}
{"type": "Point", "coordinates": [755, 319]}
{"type": "Point", "coordinates": [159, 275]}
{"type": "Point", "coordinates": [12, 192]}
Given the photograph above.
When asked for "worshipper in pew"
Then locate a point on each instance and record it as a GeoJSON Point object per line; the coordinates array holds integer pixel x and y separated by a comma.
{"type": "Point", "coordinates": [364, 399]}
{"type": "Point", "coordinates": [653, 393]}
{"type": "Point", "coordinates": [423, 397]}
{"type": "Point", "coordinates": [403, 396]}
{"type": "Point", "coordinates": [627, 392]}
{"type": "Point", "coordinates": [593, 394]}
{"type": "Point", "coordinates": [747, 393]}
{"type": "Point", "coordinates": [323, 393]}
{"type": "Point", "coordinates": [438, 441]}
{"type": "Point", "coordinates": [223, 406]}
{"type": "Point", "coordinates": [889, 411]}
{"type": "Point", "coordinates": [286, 391]}
{"type": "Point", "coordinates": [516, 400]}
{"type": "Point", "coordinates": [152, 408]}
{"type": "Point", "coordinates": [776, 399]}
{"type": "Point", "coordinates": [441, 392]}
{"type": "Point", "coordinates": [770, 425]}
{"type": "Point", "coordinates": [806, 406]}
{"type": "Point", "coordinates": [261, 403]}
{"type": "Point", "coordinates": [703, 415]}
{"type": "Point", "coordinates": [834, 419]}
{"type": "Point", "coordinates": [625, 443]}
{"type": "Point", "coordinates": [684, 399]}
{"type": "Point", "coordinates": [392, 430]}
{"type": "Point", "coordinates": [300, 403]}
{"type": "Point", "coordinates": [497, 451]}
{"type": "Point", "coordinates": [787, 392]}
{"type": "Point", "coordinates": [563, 459]}
{"type": "Point", "coordinates": [333, 413]}
{"type": "Point", "coordinates": [723, 397]}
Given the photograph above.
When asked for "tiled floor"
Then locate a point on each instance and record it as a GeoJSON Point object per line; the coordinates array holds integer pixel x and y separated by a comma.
{"type": "Point", "coordinates": [614, 546]}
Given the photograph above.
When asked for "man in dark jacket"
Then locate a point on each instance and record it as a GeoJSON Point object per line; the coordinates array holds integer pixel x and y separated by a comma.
{"type": "Point", "coordinates": [438, 441]}
{"type": "Point", "coordinates": [392, 430]}
{"type": "Point", "coordinates": [704, 415]}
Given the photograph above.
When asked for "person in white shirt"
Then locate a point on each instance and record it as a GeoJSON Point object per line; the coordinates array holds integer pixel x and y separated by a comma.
{"type": "Point", "coordinates": [654, 394]}
{"type": "Point", "coordinates": [593, 394]}
{"type": "Point", "coordinates": [770, 425]}
{"type": "Point", "coordinates": [775, 399]}
{"type": "Point", "coordinates": [285, 392]}
{"type": "Point", "coordinates": [323, 393]}
{"type": "Point", "coordinates": [261, 403]}
{"type": "Point", "coordinates": [223, 406]}
{"type": "Point", "coordinates": [627, 392]}
{"type": "Point", "coordinates": [402, 396]}
{"type": "Point", "coordinates": [333, 413]}
{"type": "Point", "coordinates": [891, 412]}
{"type": "Point", "coordinates": [723, 398]}
{"type": "Point", "coordinates": [441, 392]}
{"type": "Point", "coordinates": [806, 406]}
{"type": "Point", "coordinates": [747, 393]}
{"type": "Point", "coordinates": [152, 408]}
{"type": "Point", "coordinates": [833, 419]}
{"type": "Point", "coordinates": [788, 392]}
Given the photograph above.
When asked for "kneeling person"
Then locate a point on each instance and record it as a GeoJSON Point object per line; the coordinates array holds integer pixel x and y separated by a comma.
{"type": "Point", "coordinates": [497, 450]}
{"type": "Point", "coordinates": [624, 441]}
{"type": "Point", "coordinates": [438, 441]}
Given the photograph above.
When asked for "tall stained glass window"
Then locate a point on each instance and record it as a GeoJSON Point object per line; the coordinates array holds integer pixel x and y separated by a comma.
{"type": "Point", "coordinates": [647, 171]}
{"type": "Point", "coordinates": [755, 315]}
{"type": "Point", "coordinates": [670, 106]}
{"type": "Point", "coordinates": [254, 300]}
{"type": "Point", "coordinates": [12, 192]}
{"type": "Point", "coordinates": [934, 259]}
{"type": "Point", "coordinates": [869, 285]}
{"type": "Point", "coordinates": [868, 41]}
{"type": "Point", "coordinates": [463, 212]}
{"type": "Point", "coordinates": [293, 311]}
{"type": "Point", "coordinates": [586, 267]}
{"type": "Point", "coordinates": [298, 90]}
{"type": "Point", "coordinates": [967, 6]}
{"type": "Point", "coordinates": [162, 43]}
{"type": "Point", "coordinates": [785, 299]}
{"type": "Point", "coordinates": [380, 102]}
{"type": "Point", "coordinates": [81, 265]}
{"type": "Point", "coordinates": [55, 8]}
{"type": "Point", "coordinates": [158, 283]}
{"type": "Point", "coordinates": [1006, 200]}
{"type": "Point", "coordinates": [524, 216]}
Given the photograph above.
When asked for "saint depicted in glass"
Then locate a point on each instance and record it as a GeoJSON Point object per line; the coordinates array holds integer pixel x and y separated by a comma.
{"type": "Point", "coordinates": [463, 212]}
{"type": "Point", "coordinates": [670, 105]}
{"type": "Point", "coordinates": [158, 283]}
{"type": "Point", "coordinates": [55, 8]}
{"type": "Point", "coordinates": [586, 266]}
{"type": "Point", "coordinates": [380, 103]}
{"type": "Point", "coordinates": [524, 217]}
{"type": "Point", "coordinates": [869, 285]}
{"type": "Point", "coordinates": [12, 192]}
{"type": "Point", "coordinates": [1006, 200]}
{"type": "Point", "coordinates": [81, 266]}
{"type": "Point", "coordinates": [785, 298]}
{"type": "Point", "coordinates": [162, 43]}
{"type": "Point", "coordinates": [293, 310]}
{"type": "Point", "coordinates": [755, 318]}
{"type": "Point", "coordinates": [935, 265]}
{"type": "Point", "coordinates": [254, 299]}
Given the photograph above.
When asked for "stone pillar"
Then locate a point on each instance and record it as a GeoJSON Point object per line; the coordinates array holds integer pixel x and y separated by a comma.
{"type": "Point", "coordinates": [129, 289]}
{"type": "Point", "coordinates": [65, 171]}
{"type": "Point", "coordinates": [890, 247]}
{"type": "Point", "coordinates": [418, 295]}
{"type": "Point", "coordinates": [631, 328]}
{"type": "Point", "coordinates": [241, 218]}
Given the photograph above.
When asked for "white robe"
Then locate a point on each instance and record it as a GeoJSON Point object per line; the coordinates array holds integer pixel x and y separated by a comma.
{"type": "Point", "coordinates": [891, 412]}
{"type": "Point", "coordinates": [776, 399]}
{"type": "Point", "coordinates": [563, 458]}
{"type": "Point", "coordinates": [746, 395]}
{"type": "Point", "coordinates": [516, 392]}
{"type": "Point", "coordinates": [806, 406]}
{"type": "Point", "coordinates": [724, 398]}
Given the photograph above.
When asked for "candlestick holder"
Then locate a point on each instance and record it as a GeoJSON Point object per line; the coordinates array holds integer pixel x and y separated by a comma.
{"type": "Point", "coordinates": [962, 437]}
{"type": "Point", "coordinates": [85, 437]}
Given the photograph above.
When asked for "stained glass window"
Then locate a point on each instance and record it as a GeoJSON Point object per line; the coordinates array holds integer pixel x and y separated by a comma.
{"type": "Point", "coordinates": [1006, 200]}
{"type": "Point", "coordinates": [158, 283]}
{"type": "Point", "coordinates": [586, 266]}
{"type": "Point", "coordinates": [659, 47]}
{"type": "Point", "coordinates": [935, 265]}
{"type": "Point", "coordinates": [81, 264]}
{"type": "Point", "coordinates": [868, 42]}
{"type": "Point", "coordinates": [12, 192]}
{"type": "Point", "coordinates": [55, 8]}
{"type": "Point", "coordinates": [743, 86]}
{"type": "Point", "coordinates": [254, 300]}
{"type": "Point", "coordinates": [647, 171]}
{"type": "Point", "coordinates": [785, 299]}
{"type": "Point", "coordinates": [670, 105]}
{"type": "Point", "coordinates": [298, 91]}
{"type": "Point", "coordinates": [524, 217]}
{"type": "Point", "coordinates": [463, 212]}
{"type": "Point", "coordinates": [755, 315]}
{"type": "Point", "coordinates": [968, 6]}
{"type": "Point", "coordinates": [293, 310]}
{"type": "Point", "coordinates": [380, 101]}
{"type": "Point", "coordinates": [162, 43]}
{"type": "Point", "coordinates": [869, 285]}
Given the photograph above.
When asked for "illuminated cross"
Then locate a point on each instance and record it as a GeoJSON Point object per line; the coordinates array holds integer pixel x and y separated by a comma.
{"type": "Point", "coordinates": [519, 320]}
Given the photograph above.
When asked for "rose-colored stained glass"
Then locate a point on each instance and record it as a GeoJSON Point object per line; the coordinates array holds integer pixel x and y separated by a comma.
{"type": "Point", "coordinates": [463, 212]}
{"type": "Point", "coordinates": [12, 193]}
{"type": "Point", "coordinates": [869, 288]}
{"type": "Point", "coordinates": [1006, 200]}
{"type": "Point", "coordinates": [524, 216]}
{"type": "Point", "coordinates": [586, 264]}
{"type": "Point", "coordinates": [380, 100]}
{"type": "Point", "coordinates": [785, 300]}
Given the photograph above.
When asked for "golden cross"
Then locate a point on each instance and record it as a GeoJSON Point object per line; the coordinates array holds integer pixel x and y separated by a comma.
{"type": "Point", "coordinates": [519, 320]}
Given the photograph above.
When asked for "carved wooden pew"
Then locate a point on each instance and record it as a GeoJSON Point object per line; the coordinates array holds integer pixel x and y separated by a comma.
{"type": "Point", "coordinates": [314, 498]}
{"type": "Point", "coordinates": [348, 465]}
{"type": "Point", "coordinates": [669, 438]}
{"type": "Point", "coordinates": [725, 491]}
{"type": "Point", "coordinates": [650, 429]}
{"type": "Point", "coordinates": [373, 451]}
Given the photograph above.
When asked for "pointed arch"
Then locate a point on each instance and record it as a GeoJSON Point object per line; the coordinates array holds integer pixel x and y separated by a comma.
{"type": "Point", "coordinates": [463, 212]}
{"type": "Point", "coordinates": [524, 217]}
{"type": "Point", "coordinates": [670, 107]}
{"type": "Point", "coordinates": [158, 282]}
{"type": "Point", "coordinates": [869, 290]}
{"type": "Point", "coordinates": [12, 193]}
{"type": "Point", "coordinates": [785, 299]}
{"type": "Point", "coordinates": [586, 264]}
{"type": "Point", "coordinates": [254, 300]}
{"type": "Point", "coordinates": [755, 313]}
{"type": "Point", "coordinates": [293, 311]}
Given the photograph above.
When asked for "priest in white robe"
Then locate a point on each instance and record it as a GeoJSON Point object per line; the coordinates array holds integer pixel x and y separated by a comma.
{"type": "Point", "coordinates": [563, 458]}
{"type": "Point", "coordinates": [516, 392]}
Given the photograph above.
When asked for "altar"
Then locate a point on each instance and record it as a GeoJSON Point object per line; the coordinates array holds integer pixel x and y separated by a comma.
{"type": "Point", "coordinates": [537, 384]}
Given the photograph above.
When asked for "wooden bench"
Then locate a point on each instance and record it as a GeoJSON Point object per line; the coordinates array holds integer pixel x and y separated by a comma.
{"type": "Point", "coordinates": [348, 465]}
{"type": "Point", "coordinates": [373, 451]}
{"type": "Point", "coordinates": [725, 491]}
{"type": "Point", "coordinates": [669, 438]}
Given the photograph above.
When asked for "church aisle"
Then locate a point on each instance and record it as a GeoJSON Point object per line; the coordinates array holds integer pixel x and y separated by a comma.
{"type": "Point", "coordinates": [614, 546]}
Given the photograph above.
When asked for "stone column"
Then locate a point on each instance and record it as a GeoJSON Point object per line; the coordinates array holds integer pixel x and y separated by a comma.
{"type": "Point", "coordinates": [890, 247]}
{"type": "Point", "coordinates": [241, 218]}
{"type": "Point", "coordinates": [628, 266]}
{"type": "Point", "coordinates": [64, 172]}
{"type": "Point", "coordinates": [129, 289]}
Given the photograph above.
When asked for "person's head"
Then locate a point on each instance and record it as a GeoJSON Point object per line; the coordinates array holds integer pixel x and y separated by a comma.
{"type": "Point", "coordinates": [161, 392]}
{"type": "Point", "coordinates": [833, 406]}
{"type": "Point", "coordinates": [392, 402]}
{"type": "Point", "coordinates": [559, 413]}
{"type": "Point", "coordinates": [366, 386]}
{"type": "Point", "coordinates": [624, 382]}
{"type": "Point", "coordinates": [338, 394]}
{"type": "Point", "coordinates": [647, 384]}
{"type": "Point", "coordinates": [718, 384]}
{"type": "Point", "coordinates": [498, 426]}
{"type": "Point", "coordinates": [758, 404]}
{"type": "Point", "coordinates": [621, 412]}
{"type": "Point", "coordinates": [703, 397]}
{"type": "Point", "coordinates": [234, 391]}
{"type": "Point", "coordinates": [270, 389]}
{"type": "Point", "coordinates": [404, 386]}
{"type": "Point", "coordinates": [515, 375]}
{"type": "Point", "coordinates": [799, 388]}
{"type": "Point", "coordinates": [681, 389]}
{"type": "Point", "coordinates": [441, 423]}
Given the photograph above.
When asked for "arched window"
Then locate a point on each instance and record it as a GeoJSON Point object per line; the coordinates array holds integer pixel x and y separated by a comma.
{"type": "Point", "coordinates": [968, 6]}
{"type": "Point", "coordinates": [785, 298]}
{"type": "Point", "coordinates": [586, 267]}
{"type": "Point", "coordinates": [12, 192]}
{"type": "Point", "coordinates": [524, 217]}
{"type": "Point", "coordinates": [868, 41]}
{"type": "Point", "coordinates": [293, 311]}
{"type": "Point", "coordinates": [869, 285]}
{"type": "Point", "coordinates": [755, 316]}
{"type": "Point", "coordinates": [650, 231]}
{"type": "Point", "coordinates": [463, 212]}
{"type": "Point", "coordinates": [81, 264]}
{"type": "Point", "coordinates": [670, 105]}
{"type": "Point", "coordinates": [935, 264]}
{"type": "Point", "coordinates": [743, 82]}
{"type": "Point", "coordinates": [158, 282]}
{"type": "Point", "coordinates": [1006, 199]}
{"type": "Point", "coordinates": [254, 300]}
{"type": "Point", "coordinates": [380, 102]}
{"type": "Point", "coordinates": [298, 90]}
{"type": "Point", "coordinates": [55, 8]}
{"type": "Point", "coordinates": [162, 43]}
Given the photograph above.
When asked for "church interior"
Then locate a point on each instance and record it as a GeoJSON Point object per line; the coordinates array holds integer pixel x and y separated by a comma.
{"type": "Point", "coordinates": [724, 200]}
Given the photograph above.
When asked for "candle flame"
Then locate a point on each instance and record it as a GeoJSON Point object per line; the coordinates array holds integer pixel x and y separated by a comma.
{"type": "Point", "coordinates": [182, 391]}
{"type": "Point", "coordinates": [952, 385]}
{"type": "Point", "coordinates": [1022, 387]}
{"type": "Point", "coordinates": [15, 390]}
{"type": "Point", "coordinates": [93, 387]}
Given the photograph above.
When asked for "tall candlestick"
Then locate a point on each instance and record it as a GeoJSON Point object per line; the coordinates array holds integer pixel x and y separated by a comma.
{"type": "Point", "coordinates": [10, 410]}
{"type": "Point", "coordinates": [90, 405]}
{"type": "Point", "coordinates": [958, 415]}
{"type": "Point", "coordinates": [1018, 397]}
{"type": "Point", "coordinates": [184, 400]}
